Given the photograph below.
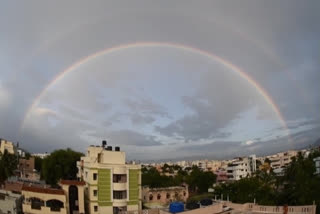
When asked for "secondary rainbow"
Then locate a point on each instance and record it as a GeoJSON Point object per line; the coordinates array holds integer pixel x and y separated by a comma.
{"type": "Point", "coordinates": [194, 50]}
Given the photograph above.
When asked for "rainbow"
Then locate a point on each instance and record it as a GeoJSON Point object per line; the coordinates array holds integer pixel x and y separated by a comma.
{"type": "Point", "coordinates": [194, 50]}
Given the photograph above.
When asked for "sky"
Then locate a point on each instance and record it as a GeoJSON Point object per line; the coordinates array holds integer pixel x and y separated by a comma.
{"type": "Point", "coordinates": [164, 80]}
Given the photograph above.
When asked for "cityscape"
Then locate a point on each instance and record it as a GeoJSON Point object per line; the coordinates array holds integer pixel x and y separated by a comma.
{"type": "Point", "coordinates": [160, 107]}
{"type": "Point", "coordinates": [102, 181]}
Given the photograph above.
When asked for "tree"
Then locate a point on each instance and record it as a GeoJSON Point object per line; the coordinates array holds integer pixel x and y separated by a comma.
{"type": "Point", "coordinates": [61, 164]}
{"type": "Point", "coordinates": [200, 181]}
{"type": "Point", "coordinates": [38, 163]}
{"type": "Point", "coordinates": [8, 163]}
{"type": "Point", "coordinates": [300, 185]}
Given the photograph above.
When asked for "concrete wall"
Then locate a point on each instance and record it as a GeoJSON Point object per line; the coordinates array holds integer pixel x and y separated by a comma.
{"type": "Point", "coordinates": [10, 202]}
{"type": "Point", "coordinates": [44, 210]}
{"type": "Point", "coordinates": [182, 194]}
{"type": "Point", "coordinates": [308, 209]}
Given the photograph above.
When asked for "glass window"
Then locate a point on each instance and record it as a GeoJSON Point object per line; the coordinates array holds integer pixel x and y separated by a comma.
{"type": "Point", "coordinates": [95, 176]}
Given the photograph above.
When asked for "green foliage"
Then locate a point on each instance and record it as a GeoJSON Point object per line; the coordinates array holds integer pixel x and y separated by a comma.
{"type": "Point", "coordinates": [198, 180]}
{"type": "Point", "coordinates": [61, 164]}
{"type": "Point", "coordinates": [27, 155]}
{"type": "Point", "coordinates": [8, 163]}
{"type": "Point", "coordinates": [153, 179]}
{"type": "Point", "coordinates": [199, 197]}
{"type": "Point", "coordinates": [38, 163]}
{"type": "Point", "coordinates": [300, 185]}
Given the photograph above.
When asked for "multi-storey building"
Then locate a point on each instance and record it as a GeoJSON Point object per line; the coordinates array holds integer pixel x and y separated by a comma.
{"type": "Point", "coordinates": [281, 159]}
{"type": "Point", "coordinates": [111, 184]}
{"type": "Point", "coordinates": [7, 145]}
{"type": "Point", "coordinates": [213, 165]}
{"type": "Point", "coordinates": [241, 167]}
{"type": "Point", "coordinates": [26, 169]}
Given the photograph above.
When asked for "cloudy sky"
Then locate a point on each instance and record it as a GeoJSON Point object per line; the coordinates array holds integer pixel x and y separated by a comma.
{"type": "Point", "coordinates": [163, 80]}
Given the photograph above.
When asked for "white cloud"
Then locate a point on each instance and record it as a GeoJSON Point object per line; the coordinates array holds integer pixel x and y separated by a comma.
{"type": "Point", "coordinates": [248, 143]}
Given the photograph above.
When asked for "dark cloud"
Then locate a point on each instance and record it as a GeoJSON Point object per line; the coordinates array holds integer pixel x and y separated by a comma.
{"type": "Point", "coordinates": [215, 105]}
{"type": "Point", "coordinates": [275, 43]}
{"type": "Point", "coordinates": [128, 138]}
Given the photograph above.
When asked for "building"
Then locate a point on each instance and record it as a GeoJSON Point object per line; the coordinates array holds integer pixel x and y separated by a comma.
{"type": "Point", "coordinates": [281, 159]}
{"type": "Point", "coordinates": [40, 155]}
{"type": "Point", "coordinates": [7, 145]}
{"type": "Point", "coordinates": [26, 169]}
{"type": "Point", "coordinates": [161, 197]}
{"type": "Point", "coordinates": [317, 164]}
{"type": "Point", "coordinates": [111, 184]}
{"type": "Point", "coordinates": [10, 197]}
{"type": "Point", "coordinates": [213, 165]}
{"type": "Point", "coordinates": [222, 176]}
{"type": "Point", "coordinates": [10, 202]}
{"type": "Point", "coordinates": [241, 167]}
{"type": "Point", "coordinates": [69, 199]}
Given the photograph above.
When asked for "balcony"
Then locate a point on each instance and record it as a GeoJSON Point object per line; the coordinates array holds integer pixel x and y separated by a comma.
{"type": "Point", "coordinates": [119, 198]}
{"type": "Point", "coordinates": [119, 186]}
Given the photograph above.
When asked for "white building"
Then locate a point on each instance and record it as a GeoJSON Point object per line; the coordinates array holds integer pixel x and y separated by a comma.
{"type": "Point", "coordinates": [281, 159]}
{"type": "Point", "coordinates": [241, 167]}
{"type": "Point", "coordinates": [40, 155]}
{"type": "Point", "coordinates": [7, 145]}
{"type": "Point", "coordinates": [111, 184]}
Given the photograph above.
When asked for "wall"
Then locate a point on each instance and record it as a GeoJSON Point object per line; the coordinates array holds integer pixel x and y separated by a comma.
{"type": "Point", "coordinates": [9, 202]}
{"type": "Point", "coordinates": [308, 209]}
{"type": "Point", "coordinates": [182, 192]}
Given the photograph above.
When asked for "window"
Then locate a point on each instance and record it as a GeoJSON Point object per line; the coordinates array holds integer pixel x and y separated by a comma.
{"type": "Point", "coordinates": [158, 196]}
{"type": "Point", "coordinates": [86, 174]}
{"type": "Point", "coordinates": [150, 197]}
{"type": "Point", "coordinates": [120, 194]}
{"type": "Point", "coordinates": [168, 195]}
{"type": "Point", "coordinates": [95, 176]}
{"type": "Point", "coordinates": [119, 178]}
{"type": "Point", "coordinates": [95, 208]}
{"type": "Point", "coordinates": [95, 192]}
{"type": "Point", "coordinates": [184, 193]}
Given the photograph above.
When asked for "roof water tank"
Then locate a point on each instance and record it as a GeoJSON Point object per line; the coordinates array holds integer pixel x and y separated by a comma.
{"type": "Point", "coordinates": [176, 207]}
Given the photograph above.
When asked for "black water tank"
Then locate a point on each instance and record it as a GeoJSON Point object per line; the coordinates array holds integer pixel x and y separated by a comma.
{"type": "Point", "coordinates": [191, 205]}
{"type": "Point", "coordinates": [206, 202]}
{"type": "Point", "coordinates": [109, 148]}
{"type": "Point", "coordinates": [117, 148]}
{"type": "Point", "coordinates": [104, 143]}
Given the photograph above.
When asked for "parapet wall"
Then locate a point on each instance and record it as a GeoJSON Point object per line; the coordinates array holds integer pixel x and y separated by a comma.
{"type": "Point", "coordinates": [308, 209]}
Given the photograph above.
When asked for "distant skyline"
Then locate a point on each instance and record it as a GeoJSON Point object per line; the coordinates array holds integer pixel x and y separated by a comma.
{"type": "Point", "coordinates": [164, 80]}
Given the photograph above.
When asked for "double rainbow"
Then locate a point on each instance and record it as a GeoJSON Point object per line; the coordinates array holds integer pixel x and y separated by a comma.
{"type": "Point", "coordinates": [203, 53]}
